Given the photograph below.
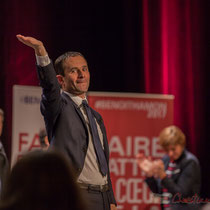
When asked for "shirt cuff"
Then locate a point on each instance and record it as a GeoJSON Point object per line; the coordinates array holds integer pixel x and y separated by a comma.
{"type": "Point", "coordinates": [42, 60]}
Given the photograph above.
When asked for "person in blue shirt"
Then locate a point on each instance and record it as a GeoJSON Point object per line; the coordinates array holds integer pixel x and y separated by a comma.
{"type": "Point", "coordinates": [176, 178]}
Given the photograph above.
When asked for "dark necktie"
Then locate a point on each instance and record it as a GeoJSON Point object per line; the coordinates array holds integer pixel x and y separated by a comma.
{"type": "Point", "coordinates": [96, 140]}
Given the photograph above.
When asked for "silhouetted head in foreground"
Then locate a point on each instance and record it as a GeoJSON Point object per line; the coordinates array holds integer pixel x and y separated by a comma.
{"type": "Point", "coordinates": [42, 180]}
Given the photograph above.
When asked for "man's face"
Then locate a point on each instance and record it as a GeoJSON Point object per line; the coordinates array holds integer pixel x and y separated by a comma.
{"type": "Point", "coordinates": [1, 124]}
{"type": "Point", "coordinates": [174, 151]}
{"type": "Point", "coordinates": [76, 77]}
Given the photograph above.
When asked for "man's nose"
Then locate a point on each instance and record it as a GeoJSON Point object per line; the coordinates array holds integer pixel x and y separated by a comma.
{"type": "Point", "coordinates": [80, 73]}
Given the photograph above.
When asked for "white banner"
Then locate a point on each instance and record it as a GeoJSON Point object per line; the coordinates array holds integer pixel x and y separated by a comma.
{"type": "Point", "coordinates": [27, 120]}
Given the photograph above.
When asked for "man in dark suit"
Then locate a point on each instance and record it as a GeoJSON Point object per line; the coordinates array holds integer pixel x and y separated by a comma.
{"type": "Point", "coordinates": [176, 178]}
{"type": "Point", "coordinates": [4, 164]}
{"type": "Point", "coordinates": [72, 126]}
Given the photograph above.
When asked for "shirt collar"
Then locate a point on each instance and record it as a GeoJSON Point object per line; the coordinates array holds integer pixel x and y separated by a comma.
{"type": "Point", "coordinates": [76, 99]}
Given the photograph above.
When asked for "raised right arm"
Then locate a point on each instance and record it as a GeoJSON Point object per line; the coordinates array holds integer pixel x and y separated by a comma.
{"type": "Point", "coordinates": [51, 99]}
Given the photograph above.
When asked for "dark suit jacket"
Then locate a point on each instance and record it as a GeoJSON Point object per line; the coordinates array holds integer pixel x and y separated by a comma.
{"type": "Point", "coordinates": [185, 183]}
{"type": "Point", "coordinates": [4, 166]}
{"type": "Point", "coordinates": [65, 124]}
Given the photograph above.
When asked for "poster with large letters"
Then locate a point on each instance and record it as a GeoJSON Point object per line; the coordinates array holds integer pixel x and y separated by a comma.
{"type": "Point", "coordinates": [133, 122]}
{"type": "Point", "coordinates": [27, 120]}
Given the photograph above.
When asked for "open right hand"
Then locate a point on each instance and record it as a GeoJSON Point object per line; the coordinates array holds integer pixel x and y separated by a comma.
{"type": "Point", "coordinates": [33, 43]}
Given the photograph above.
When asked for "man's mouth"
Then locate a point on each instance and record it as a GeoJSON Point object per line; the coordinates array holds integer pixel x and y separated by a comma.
{"type": "Point", "coordinates": [81, 81]}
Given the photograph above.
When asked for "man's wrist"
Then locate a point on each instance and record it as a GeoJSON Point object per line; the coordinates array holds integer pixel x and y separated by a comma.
{"type": "Point", "coordinates": [40, 50]}
{"type": "Point", "coordinates": [42, 60]}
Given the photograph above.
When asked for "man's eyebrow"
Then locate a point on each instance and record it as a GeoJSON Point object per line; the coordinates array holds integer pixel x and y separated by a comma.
{"type": "Point", "coordinates": [73, 68]}
{"type": "Point", "coordinates": [69, 68]}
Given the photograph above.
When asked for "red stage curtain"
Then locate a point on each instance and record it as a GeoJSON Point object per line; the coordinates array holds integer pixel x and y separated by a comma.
{"type": "Point", "coordinates": [173, 63]}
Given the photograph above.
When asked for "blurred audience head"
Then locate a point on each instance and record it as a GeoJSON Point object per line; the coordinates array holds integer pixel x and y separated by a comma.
{"type": "Point", "coordinates": [41, 180]}
{"type": "Point", "coordinates": [173, 141]}
{"type": "Point", "coordinates": [43, 139]}
{"type": "Point", "coordinates": [1, 120]}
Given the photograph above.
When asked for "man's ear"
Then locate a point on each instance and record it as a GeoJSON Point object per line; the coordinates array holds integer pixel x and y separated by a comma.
{"type": "Point", "coordinates": [60, 79]}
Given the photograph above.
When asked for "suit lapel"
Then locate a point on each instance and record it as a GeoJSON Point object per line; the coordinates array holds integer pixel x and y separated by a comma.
{"type": "Point", "coordinates": [98, 119]}
{"type": "Point", "coordinates": [77, 110]}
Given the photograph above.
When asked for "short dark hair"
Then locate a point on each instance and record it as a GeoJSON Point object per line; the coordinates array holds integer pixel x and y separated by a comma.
{"type": "Point", "coordinates": [60, 60]}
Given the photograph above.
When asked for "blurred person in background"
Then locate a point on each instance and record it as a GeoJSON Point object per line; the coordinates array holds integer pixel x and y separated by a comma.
{"type": "Point", "coordinates": [4, 165]}
{"type": "Point", "coordinates": [41, 180]}
{"type": "Point", "coordinates": [43, 139]}
{"type": "Point", "coordinates": [176, 178]}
